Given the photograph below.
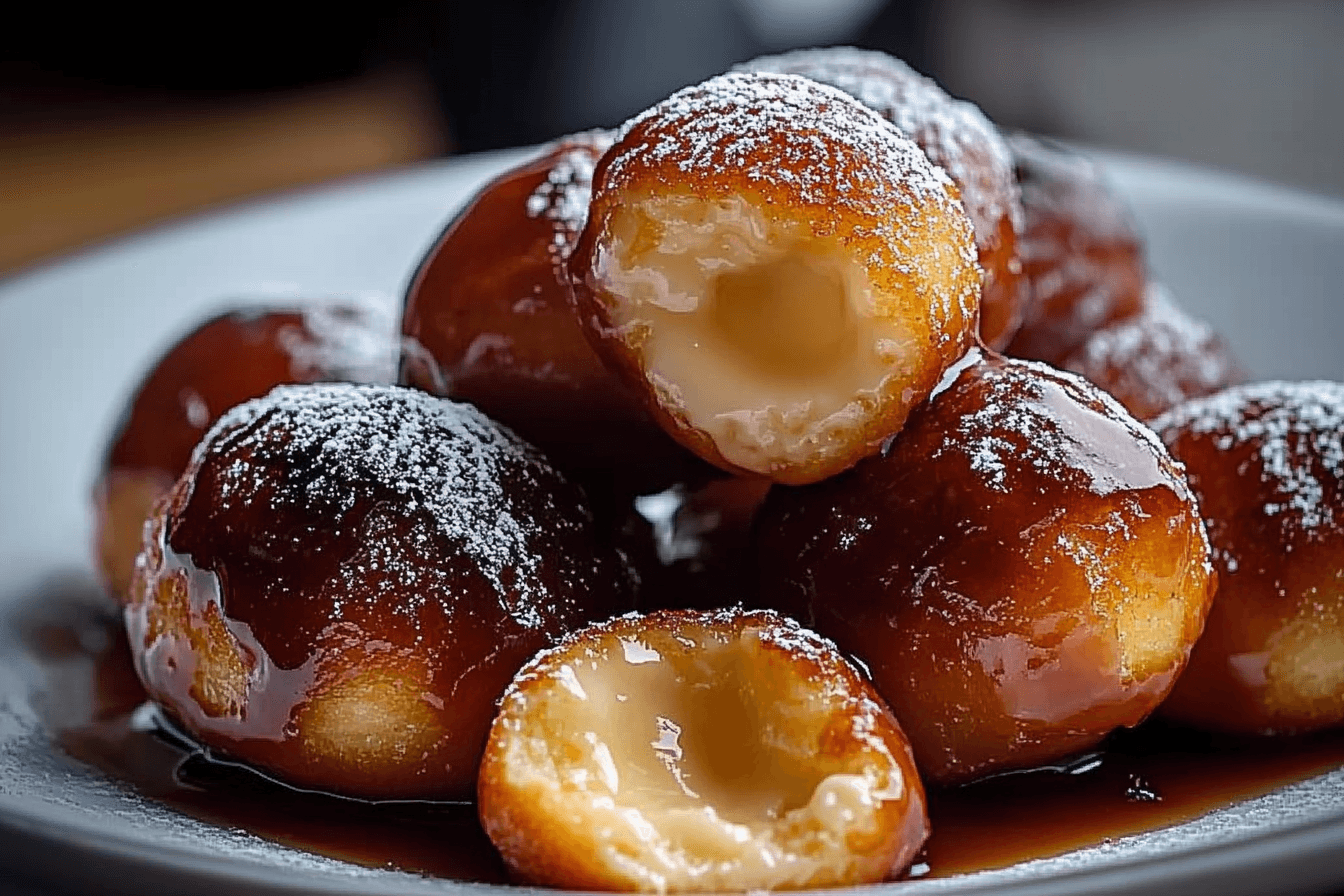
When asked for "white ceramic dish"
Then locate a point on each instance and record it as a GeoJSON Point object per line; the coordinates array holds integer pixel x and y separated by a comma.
{"type": "Point", "coordinates": [1266, 264]}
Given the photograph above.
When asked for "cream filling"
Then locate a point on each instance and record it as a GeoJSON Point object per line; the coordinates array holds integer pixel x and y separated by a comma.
{"type": "Point", "coordinates": [689, 736]}
{"type": "Point", "coordinates": [696, 774]}
{"type": "Point", "coordinates": [755, 331]}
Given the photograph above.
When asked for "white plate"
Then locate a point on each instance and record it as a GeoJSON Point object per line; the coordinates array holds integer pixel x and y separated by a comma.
{"type": "Point", "coordinates": [1264, 263]}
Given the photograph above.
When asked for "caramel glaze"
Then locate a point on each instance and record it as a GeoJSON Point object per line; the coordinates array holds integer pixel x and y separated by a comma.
{"type": "Point", "coordinates": [1022, 569]}
{"type": "Point", "coordinates": [1149, 778]}
{"type": "Point", "coordinates": [491, 307]}
{"type": "Point", "coordinates": [280, 591]}
{"type": "Point", "coordinates": [186, 391]}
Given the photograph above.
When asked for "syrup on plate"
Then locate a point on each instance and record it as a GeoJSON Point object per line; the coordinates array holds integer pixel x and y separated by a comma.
{"type": "Point", "coordinates": [1152, 777]}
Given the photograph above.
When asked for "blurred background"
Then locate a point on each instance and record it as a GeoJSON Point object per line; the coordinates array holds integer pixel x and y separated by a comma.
{"type": "Point", "coordinates": [117, 117]}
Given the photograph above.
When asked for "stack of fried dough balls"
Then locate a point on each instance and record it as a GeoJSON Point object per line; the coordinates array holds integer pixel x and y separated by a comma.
{"type": "Point", "coordinates": [883, 556]}
{"type": "Point", "coordinates": [784, 280]}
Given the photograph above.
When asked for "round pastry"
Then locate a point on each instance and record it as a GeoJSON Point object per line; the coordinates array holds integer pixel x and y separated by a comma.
{"type": "Point", "coordinates": [1267, 462]}
{"type": "Point", "coordinates": [1157, 358]}
{"type": "Point", "coordinates": [1080, 249]}
{"type": "Point", "coordinates": [777, 271]}
{"type": "Point", "coordinates": [957, 137]}
{"type": "Point", "coordinates": [489, 321]}
{"type": "Point", "coordinates": [1023, 569]}
{"type": "Point", "coordinates": [228, 359]}
{"type": "Point", "coordinates": [345, 579]}
{"type": "Point", "coordinates": [687, 751]}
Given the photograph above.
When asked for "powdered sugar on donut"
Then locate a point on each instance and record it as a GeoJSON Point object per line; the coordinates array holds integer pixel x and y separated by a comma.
{"type": "Point", "coordinates": [563, 196]}
{"type": "Point", "coordinates": [442, 464]}
{"type": "Point", "coordinates": [1156, 359]}
{"type": "Point", "coordinates": [772, 128]}
{"type": "Point", "coordinates": [353, 340]}
{"type": "Point", "coordinates": [1296, 431]}
{"type": "Point", "coordinates": [955, 134]}
{"type": "Point", "coordinates": [1033, 416]}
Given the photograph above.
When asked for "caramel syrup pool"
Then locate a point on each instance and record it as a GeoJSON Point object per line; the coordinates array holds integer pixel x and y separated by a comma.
{"type": "Point", "coordinates": [1149, 778]}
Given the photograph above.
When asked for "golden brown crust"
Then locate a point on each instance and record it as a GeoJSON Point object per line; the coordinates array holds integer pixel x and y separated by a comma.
{"type": "Point", "coordinates": [790, 163]}
{"type": "Point", "coordinates": [1023, 569]}
{"type": "Point", "coordinates": [958, 138]}
{"type": "Point", "coordinates": [1267, 462]}
{"type": "Point", "coordinates": [345, 579]}
{"type": "Point", "coordinates": [553, 790]}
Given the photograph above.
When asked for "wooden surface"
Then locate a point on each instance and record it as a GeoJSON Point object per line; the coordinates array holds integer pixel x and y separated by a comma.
{"type": "Point", "coordinates": [76, 171]}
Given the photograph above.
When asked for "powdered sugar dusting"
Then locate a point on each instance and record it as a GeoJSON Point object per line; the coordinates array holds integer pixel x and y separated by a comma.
{"type": "Point", "coordinates": [563, 196]}
{"type": "Point", "coordinates": [1029, 415]}
{"type": "Point", "coordinates": [350, 341]}
{"type": "Point", "coordinates": [441, 464]}
{"type": "Point", "coordinates": [1296, 431]}
{"type": "Point", "coordinates": [955, 134]}
{"type": "Point", "coordinates": [771, 128]}
{"type": "Point", "coordinates": [1156, 359]}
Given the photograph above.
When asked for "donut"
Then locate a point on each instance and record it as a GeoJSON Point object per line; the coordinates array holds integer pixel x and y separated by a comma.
{"type": "Point", "coordinates": [489, 321]}
{"type": "Point", "coordinates": [1081, 252]}
{"type": "Point", "coordinates": [1157, 358]}
{"type": "Point", "coordinates": [698, 751]}
{"type": "Point", "coordinates": [345, 579]}
{"type": "Point", "coordinates": [776, 271]}
{"type": "Point", "coordinates": [1023, 569]}
{"type": "Point", "coordinates": [958, 138]}
{"type": "Point", "coordinates": [230, 358]}
{"type": "Point", "coordinates": [1267, 462]}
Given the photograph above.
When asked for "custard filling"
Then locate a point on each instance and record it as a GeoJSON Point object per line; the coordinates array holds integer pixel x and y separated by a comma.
{"type": "Point", "coordinates": [754, 330]}
{"type": "Point", "coordinates": [691, 733]}
{"type": "Point", "coordinates": [706, 760]}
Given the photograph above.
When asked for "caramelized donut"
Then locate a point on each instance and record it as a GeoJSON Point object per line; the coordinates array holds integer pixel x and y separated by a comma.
{"type": "Point", "coordinates": [1081, 251]}
{"type": "Point", "coordinates": [957, 137]}
{"type": "Point", "coordinates": [777, 271]}
{"type": "Point", "coordinates": [1267, 462]}
{"type": "Point", "coordinates": [490, 306]}
{"type": "Point", "coordinates": [1023, 569]}
{"type": "Point", "coordinates": [1157, 358]}
{"type": "Point", "coordinates": [228, 359]}
{"type": "Point", "coordinates": [345, 579]}
{"type": "Point", "coordinates": [688, 751]}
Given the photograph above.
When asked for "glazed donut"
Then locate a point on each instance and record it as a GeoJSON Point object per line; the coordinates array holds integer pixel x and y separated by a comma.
{"type": "Point", "coordinates": [777, 271]}
{"type": "Point", "coordinates": [490, 308]}
{"type": "Point", "coordinates": [1267, 462]}
{"type": "Point", "coordinates": [1081, 251]}
{"type": "Point", "coordinates": [228, 359]}
{"type": "Point", "coordinates": [685, 751]}
{"type": "Point", "coordinates": [345, 579]}
{"type": "Point", "coordinates": [1157, 358]}
{"type": "Point", "coordinates": [1023, 569]}
{"type": "Point", "coordinates": [957, 137]}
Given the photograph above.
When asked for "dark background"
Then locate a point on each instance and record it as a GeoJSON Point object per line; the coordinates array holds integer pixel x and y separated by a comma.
{"type": "Point", "coordinates": [114, 117]}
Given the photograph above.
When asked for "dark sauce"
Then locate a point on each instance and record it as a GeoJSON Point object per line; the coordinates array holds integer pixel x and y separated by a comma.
{"type": "Point", "coordinates": [1149, 778]}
